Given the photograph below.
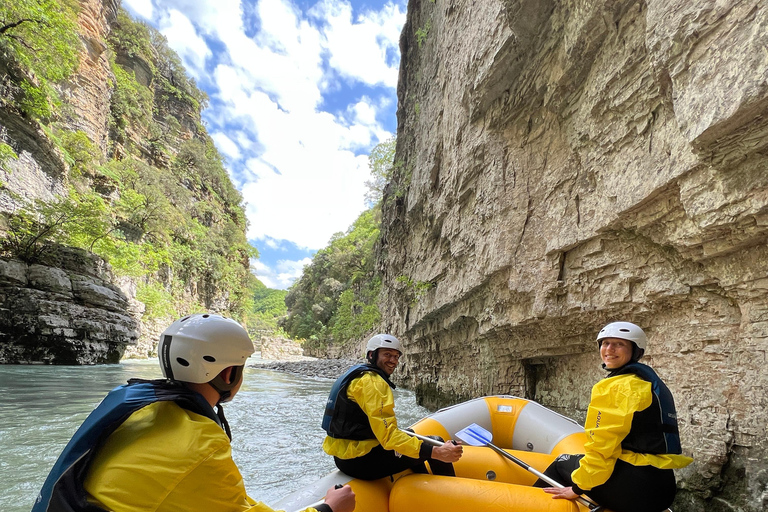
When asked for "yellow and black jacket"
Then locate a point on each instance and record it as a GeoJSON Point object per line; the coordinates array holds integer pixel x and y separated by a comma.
{"type": "Point", "coordinates": [367, 417]}
{"type": "Point", "coordinates": [631, 417]}
{"type": "Point", "coordinates": [151, 446]}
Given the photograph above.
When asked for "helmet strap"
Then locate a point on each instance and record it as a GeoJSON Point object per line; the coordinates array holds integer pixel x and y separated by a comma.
{"type": "Point", "coordinates": [223, 421]}
{"type": "Point", "coordinates": [225, 388]}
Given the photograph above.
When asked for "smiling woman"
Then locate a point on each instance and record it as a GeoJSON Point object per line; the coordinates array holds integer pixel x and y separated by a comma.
{"type": "Point", "coordinates": [633, 443]}
{"type": "Point", "coordinates": [299, 94]}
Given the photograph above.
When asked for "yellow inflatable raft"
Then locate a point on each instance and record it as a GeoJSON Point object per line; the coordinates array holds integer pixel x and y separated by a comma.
{"type": "Point", "coordinates": [485, 480]}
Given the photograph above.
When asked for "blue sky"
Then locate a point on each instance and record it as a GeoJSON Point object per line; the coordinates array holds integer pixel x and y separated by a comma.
{"type": "Point", "coordinates": [300, 92]}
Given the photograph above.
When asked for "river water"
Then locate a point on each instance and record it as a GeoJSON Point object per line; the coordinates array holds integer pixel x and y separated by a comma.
{"type": "Point", "coordinates": [275, 421]}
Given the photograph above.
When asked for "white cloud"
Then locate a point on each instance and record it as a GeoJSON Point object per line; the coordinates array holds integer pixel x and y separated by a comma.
{"type": "Point", "coordinates": [359, 48]}
{"type": "Point", "coordinates": [183, 37]}
{"type": "Point", "coordinates": [283, 275]}
{"type": "Point", "coordinates": [299, 168]}
{"type": "Point", "coordinates": [226, 145]}
{"type": "Point", "coordinates": [142, 8]}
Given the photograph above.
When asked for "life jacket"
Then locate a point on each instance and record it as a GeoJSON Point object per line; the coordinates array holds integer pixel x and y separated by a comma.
{"type": "Point", "coordinates": [654, 429]}
{"type": "Point", "coordinates": [343, 418]}
{"type": "Point", "coordinates": [63, 490]}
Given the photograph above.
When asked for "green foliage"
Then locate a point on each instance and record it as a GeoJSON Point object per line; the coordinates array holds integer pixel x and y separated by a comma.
{"type": "Point", "coordinates": [422, 33]}
{"type": "Point", "coordinates": [6, 154]}
{"type": "Point", "coordinates": [381, 164]}
{"type": "Point", "coordinates": [336, 295]}
{"type": "Point", "coordinates": [158, 301]}
{"type": "Point", "coordinates": [131, 38]}
{"type": "Point", "coordinates": [266, 309]}
{"type": "Point", "coordinates": [38, 227]}
{"type": "Point", "coordinates": [358, 313]}
{"type": "Point", "coordinates": [412, 290]}
{"type": "Point", "coordinates": [131, 103]}
{"type": "Point", "coordinates": [199, 164]}
{"type": "Point", "coordinates": [81, 154]}
{"type": "Point", "coordinates": [173, 80]}
{"type": "Point", "coordinates": [180, 228]}
{"type": "Point", "coordinates": [40, 38]}
{"type": "Point", "coordinates": [401, 177]}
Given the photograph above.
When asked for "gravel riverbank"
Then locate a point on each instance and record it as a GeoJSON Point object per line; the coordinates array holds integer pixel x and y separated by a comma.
{"type": "Point", "coordinates": [323, 368]}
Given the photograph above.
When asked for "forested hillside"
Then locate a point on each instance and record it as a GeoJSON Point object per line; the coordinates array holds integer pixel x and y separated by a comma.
{"type": "Point", "coordinates": [335, 301]}
{"type": "Point", "coordinates": [138, 183]}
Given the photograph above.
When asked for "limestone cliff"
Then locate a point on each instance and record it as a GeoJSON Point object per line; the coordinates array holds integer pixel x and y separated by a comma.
{"type": "Point", "coordinates": [565, 164]}
{"type": "Point", "coordinates": [124, 132]}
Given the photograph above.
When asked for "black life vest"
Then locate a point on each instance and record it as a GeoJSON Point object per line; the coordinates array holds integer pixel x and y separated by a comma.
{"type": "Point", "coordinates": [63, 490]}
{"type": "Point", "coordinates": [343, 418]}
{"type": "Point", "coordinates": [654, 429]}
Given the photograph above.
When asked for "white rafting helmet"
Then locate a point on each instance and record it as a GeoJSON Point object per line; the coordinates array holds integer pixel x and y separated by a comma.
{"type": "Point", "coordinates": [198, 347]}
{"type": "Point", "coordinates": [625, 331]}
{"type": "Point", "coordinates": [383, 341]}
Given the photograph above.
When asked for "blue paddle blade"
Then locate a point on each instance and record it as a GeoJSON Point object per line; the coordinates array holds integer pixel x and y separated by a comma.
{"type": "Point", "coordinates": [474, 435]}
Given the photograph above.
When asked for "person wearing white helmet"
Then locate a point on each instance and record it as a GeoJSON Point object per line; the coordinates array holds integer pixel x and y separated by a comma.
{"type": "Point", "coordinates": [633, 444]}
{"type": "Point", "coordinates": [159, 445]}
{"type": "Point", "coordinates": [361, 427]}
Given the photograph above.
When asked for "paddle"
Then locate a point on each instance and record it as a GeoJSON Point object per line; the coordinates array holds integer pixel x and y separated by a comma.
{"type": "Point", "coordinates": [426, 439]}
{"type": "Point", "coordinates": [475, 435]}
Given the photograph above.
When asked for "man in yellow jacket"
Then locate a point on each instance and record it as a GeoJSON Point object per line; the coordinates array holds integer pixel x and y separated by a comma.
{"type": "Point", "coordinates": [633, 444]}
{"type": "Point", "coordinates": [159, 445]}
{"type": "Point", "coordinates": [360, 421]}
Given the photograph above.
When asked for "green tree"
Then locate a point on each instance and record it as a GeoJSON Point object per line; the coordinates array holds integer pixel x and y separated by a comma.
{"type": "Point", "coordinates": [40, 39]}
{"type": "Point", "coordinates": [6, 154]}
{"type": "Point", "coordinates": [268, 307]}
{"type": "Point", "coordinates": [38, 227]}
{"type": "Point", "coordinates": [335, 298]}
{"type": "Point", "coordinates": [381, 162]}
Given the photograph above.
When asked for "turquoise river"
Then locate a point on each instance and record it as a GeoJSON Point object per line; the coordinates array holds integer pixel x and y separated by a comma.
{"type": "Point", "coordinates": [275, 422]}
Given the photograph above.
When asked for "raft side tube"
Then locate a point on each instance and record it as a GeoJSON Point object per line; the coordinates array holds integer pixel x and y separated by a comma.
{"type": "Point", "coordinates": [540, 430]}
{"type": "Point", "coordinates": [456, 417]}
{"type": "Point", "coordinates": [420, 493]}
{"type": "Point", "coordinates": [312, 493]}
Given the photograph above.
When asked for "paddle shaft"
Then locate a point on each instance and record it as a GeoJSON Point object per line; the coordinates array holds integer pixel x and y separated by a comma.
{"type": "Point", "coordinates": [550, 481]}
{"type": "Point", "coordinates": [426, 439]}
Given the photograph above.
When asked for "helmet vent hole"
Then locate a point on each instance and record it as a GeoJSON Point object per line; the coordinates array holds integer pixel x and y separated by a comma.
{"type": "Point", "coordinates": [206, 316]}
{"type": "Point", "coordinates": [185, 318]}
{"type": "Point", "coordinates": [210, 359]}
{"type": "Point", "coordinates": [624, 330]}
{"type": "Point", "coordinates": [182, 361]}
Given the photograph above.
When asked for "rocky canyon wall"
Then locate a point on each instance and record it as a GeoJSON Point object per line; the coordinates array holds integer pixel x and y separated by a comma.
{"type": "Point", "coordinates": [563, 164]}
{"type": "Point", "coordinates": [64, 311]}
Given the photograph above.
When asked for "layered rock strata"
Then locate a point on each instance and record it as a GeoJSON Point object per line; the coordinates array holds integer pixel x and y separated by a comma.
{"type": "Point", "coordinates": [564, 164]}
{"type": "Point", "coordinates": [63, 312]}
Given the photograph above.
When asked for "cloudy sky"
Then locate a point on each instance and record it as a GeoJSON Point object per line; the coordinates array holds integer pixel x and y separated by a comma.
{"type": "Point", "coordinates": [299, 94]}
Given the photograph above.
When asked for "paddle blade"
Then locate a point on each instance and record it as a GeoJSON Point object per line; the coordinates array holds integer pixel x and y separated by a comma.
{"type": "Point", "coordinates": [474, 435]}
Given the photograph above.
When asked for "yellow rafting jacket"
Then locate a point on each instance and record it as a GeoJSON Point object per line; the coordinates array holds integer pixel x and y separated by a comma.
{"type": "Point", "coordinates": [609, 419]}
{"type": "Point", "coordinates": [164, 458]}
{"type": "Point", "coordinates": [375, 398]}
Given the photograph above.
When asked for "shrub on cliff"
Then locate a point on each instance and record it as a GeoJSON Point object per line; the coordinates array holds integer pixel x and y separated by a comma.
{"type": "Point", "coordinates": [39, 43]}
